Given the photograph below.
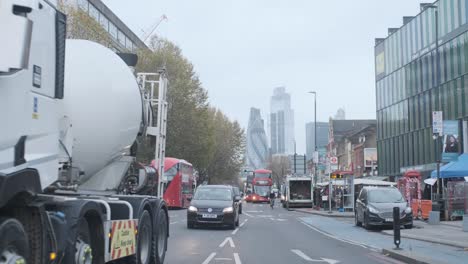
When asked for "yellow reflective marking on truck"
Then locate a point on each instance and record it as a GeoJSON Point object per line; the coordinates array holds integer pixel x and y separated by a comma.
{"type": "Point", "coordinates": [123, 238]}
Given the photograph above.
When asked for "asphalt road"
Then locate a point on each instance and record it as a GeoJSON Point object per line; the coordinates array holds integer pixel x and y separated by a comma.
{"type": "Point", "coordinates": [265, 236]}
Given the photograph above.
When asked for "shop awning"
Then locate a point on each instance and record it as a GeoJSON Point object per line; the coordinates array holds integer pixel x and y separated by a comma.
{"type": "Point", "coordinates": [454, 169]}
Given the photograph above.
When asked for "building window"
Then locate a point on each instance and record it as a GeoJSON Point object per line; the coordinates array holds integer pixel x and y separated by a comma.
{"type": "Point", "coordinates": [83, 4]}
{"type": "Point", "coordinates": [93, 12]}
{"type": "Point", "coordinates": [113, 30]}
{"type": "Point", "coordinates": [121, 37]}
{"type": "Point", "coordinates": [128, 44]}
{"type": "Point", "coordinates": [104, 22]}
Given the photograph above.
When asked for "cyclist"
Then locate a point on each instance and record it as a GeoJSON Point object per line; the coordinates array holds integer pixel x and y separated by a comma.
{"type": "Point", "coordinates": [272, 198]}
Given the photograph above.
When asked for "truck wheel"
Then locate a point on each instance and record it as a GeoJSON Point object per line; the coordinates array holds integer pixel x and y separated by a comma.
{"type": "Point", "coordinates": [14, 246]}
{"type": "Point", "coordinates": [160, 238]}
{"type": "Point", "coordinates": [144, 239]}
{"type": "Point", "coordinates": [84, 252]}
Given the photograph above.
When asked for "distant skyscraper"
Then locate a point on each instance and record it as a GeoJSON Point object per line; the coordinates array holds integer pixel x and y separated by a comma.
{"type": "Point", "coordinates": [340, 114]}
{"type": "Point", "coordinates": [322, 137]}
{"type": "Point", "coordinates": [281, 123]}
{"type": "Point", "coordinates": [257, 146]}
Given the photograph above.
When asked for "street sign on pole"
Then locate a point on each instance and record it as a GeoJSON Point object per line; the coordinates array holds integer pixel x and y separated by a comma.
{"type": "Point", "coordinates": [316, 157]}
{"type": "Point", "coordinates": [437, 123]}
{"type": "Point", "coordinates": [333, 160]}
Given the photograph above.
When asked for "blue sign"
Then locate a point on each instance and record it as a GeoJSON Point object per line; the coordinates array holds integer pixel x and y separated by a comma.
{"type": "Point", "coordinates": [451, 143]}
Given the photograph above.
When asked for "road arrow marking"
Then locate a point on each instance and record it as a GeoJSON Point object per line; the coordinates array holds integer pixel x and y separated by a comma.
{"type": "Point", "coordinates": [228, 239]}
{"type": "Point", "coordinates": [307, 258]}
{"type": "Point", "coordinates": [237, 258]}
{"type": "Point", "coordinates": [209, 258]}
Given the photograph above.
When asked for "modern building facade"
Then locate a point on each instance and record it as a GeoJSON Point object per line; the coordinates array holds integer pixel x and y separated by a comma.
{"type": "Point", "coordinates": [415, 75]}
{"type": "Point", "coordinates": [322, 137]}
{"type": "Point", "coordinates": [123, 39]}
{"type": "Point", "coordinates": [257, 146]}
{"type": "Point", "coordinates": [281, 122]}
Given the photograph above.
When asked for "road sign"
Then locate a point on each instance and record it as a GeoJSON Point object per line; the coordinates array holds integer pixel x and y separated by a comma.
{"type": "Point", "coordinates": [437, 122]}
{"type": "Point", "coordinates": [333, 160]}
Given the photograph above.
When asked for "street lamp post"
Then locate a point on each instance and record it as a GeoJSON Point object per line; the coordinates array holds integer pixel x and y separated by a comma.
{"type": "Point", "coordinates": [315, 136]}
{"type": "Point", "coordinates": [437, 136]}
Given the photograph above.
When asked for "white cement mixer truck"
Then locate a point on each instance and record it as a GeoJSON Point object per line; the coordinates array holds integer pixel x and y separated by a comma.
{"type": "Point", "coordinates": [70, 112]}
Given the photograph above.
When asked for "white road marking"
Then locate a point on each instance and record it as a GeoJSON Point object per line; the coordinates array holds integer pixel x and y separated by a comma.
{"type": "Point", "coordinates": [301, 254]}
{"type": "Point", "coordinates": [243, 223]}
{"type": "Point", "coordinates": [235, 231]}
{"type": "Point", "coordinates": [228, 239]}
{"type": "Point", "coordinates": [334, 237]}
{"type": "Point", "coordinates": [223, 259]}
{"type": "Point", "coordinates": [307, 258]}
{"type": "Point", "coordinates": [209, 258]}
{"type": "Point", "coordinates": [237, 258]}
{"type": "Point", "coordinates": [248, 214]}
{"type": "Point", "coordinates": [174, 222]}
{"type": "Point", "coordinates": [254, 211]}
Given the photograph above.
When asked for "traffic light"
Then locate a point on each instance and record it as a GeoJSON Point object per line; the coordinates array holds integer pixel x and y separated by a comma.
{"type": "Point", "coordinates": [336, 176]}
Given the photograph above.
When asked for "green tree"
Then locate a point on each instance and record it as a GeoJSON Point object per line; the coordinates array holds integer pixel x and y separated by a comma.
{"type": "Point", "coordinates": [81, 26]}
{"type": "Point", "coordinates": [229, 148]}
{"type": "Point", "coordinates": [189, 130]}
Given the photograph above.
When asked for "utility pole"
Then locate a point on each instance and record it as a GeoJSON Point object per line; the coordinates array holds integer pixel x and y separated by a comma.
{"type": "Point", "coordinates": [315, 160]}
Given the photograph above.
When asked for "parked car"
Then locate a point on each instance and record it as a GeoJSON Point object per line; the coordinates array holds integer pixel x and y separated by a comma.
{"type": "Point", "coordinates": [374, 207]}
{"type": "Point", "coordinates": [213, 204]}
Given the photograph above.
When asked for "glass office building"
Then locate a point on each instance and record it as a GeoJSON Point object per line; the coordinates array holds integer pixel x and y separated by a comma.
{"type": "Point", "coordinates": [414, 78]}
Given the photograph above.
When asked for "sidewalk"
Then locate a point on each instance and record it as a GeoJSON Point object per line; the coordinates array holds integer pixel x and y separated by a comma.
{"type": "Point", "coordinates": [325, 213]}
{"type": "Point", "coordinates": [413, 250]}
{"type": "Point", "coordinates": [446, 233]}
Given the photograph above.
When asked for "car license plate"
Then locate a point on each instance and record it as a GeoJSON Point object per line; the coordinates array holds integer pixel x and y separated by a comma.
{"type": "Point", "coordinates": [209, 216]}
{"type": "Point", "coordinates": [388, 219]}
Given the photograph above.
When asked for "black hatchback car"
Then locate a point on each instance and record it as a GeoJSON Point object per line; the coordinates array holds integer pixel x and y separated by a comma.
{"type": "Point", "coordinates": [213, 204]}
{"type": "Point", "coordinates": [374, 207]}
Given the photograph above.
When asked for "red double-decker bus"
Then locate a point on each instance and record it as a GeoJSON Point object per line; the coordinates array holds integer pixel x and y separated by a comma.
{"type": "Point", "coordinates": [180, 182]}
{"type": "Point", "coordinates": [261, 186]}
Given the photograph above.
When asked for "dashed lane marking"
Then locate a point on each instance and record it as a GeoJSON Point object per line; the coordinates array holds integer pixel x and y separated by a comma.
{"type": "Point", "coordinates": [209, 258]}
{"type": "Point", "coordinates": [243, 223]}
{"type": "Point", "coordinates": [235, 231]}
{"type": "Point", "coordinates": [174, 222]}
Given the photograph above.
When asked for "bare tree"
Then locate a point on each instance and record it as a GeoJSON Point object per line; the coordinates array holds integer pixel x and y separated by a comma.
{"type": "Point", "coordinates": [279, 165]}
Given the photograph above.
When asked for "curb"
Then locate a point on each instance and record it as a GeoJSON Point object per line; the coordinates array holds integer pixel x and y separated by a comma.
{"type": "Point", "coordinates": [323, 214]}
{"type": "Point", "coordinates": [441, 242]}
{"type": "Point", "coordinates": [405, 257]}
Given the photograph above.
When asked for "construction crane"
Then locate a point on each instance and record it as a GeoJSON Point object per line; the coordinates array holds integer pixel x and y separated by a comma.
{"type": "Point", "coordinates": [154, 27]}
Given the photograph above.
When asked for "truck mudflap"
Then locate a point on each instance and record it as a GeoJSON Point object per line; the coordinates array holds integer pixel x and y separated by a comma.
{"type": "Point", "coordinates": [122, 238]}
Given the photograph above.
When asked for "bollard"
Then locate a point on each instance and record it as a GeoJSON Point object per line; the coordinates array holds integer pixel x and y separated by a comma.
{"type": "Point", "coordinates": [396, 227]}
{"type": "Point", "coordinates": [465, 223]}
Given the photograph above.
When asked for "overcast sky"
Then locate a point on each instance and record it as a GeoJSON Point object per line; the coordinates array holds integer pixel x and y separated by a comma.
{"type": "Point", "coordinates": [242, 49]}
